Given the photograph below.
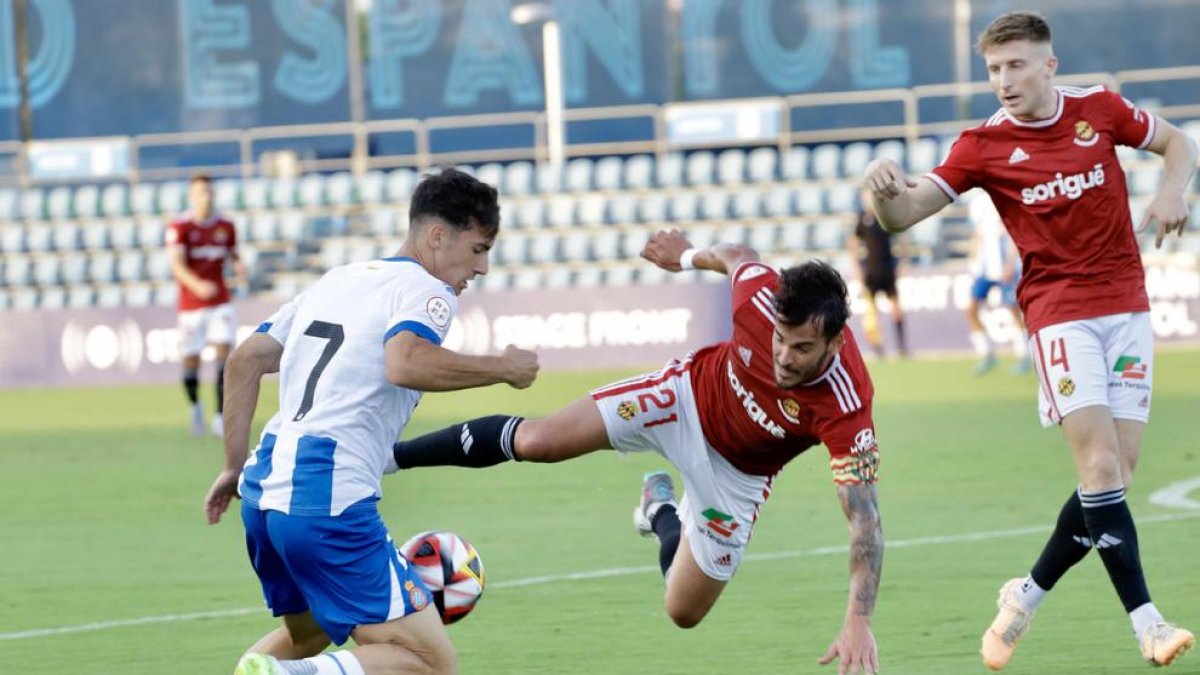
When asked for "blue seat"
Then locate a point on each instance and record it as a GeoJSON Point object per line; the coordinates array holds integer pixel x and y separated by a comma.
{"type": "Point", "coordinates": [761, 165]}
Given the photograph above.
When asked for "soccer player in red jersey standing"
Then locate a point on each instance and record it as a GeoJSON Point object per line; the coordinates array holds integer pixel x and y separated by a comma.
{"type": "Point", "coordinates": [198, 244]}
{"type": "Point", "coordinates": [729, 417]}
{"type": "Point", "coordinates": [1047, 158]}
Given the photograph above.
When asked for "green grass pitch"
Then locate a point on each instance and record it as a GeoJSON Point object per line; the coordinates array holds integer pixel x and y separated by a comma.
{"type": "Point", "coordinates": [102, 525]}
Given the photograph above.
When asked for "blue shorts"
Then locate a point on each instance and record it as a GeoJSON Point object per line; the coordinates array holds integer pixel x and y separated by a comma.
{"type": "Point", "coordinates": [345, 569]}
{"type": "Point", "coordinates": [983, 285]}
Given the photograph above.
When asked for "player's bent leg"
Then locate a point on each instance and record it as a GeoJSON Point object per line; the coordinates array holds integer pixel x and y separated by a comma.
{"type": "Point", "coordinates": [690, 592]}
{"type": "Point", "coordinates": [569, 433]}
{"type": "Point", "coordinates": [1010, 625]}
{"type": "Point", "coordinates": [1092, 436]}
{"type": "Point", "coordinates": [1129, 436]}
{"type": "Point", "coordinates": [298, 638]}
{"type": "Point", "coordinates": [416, 643]}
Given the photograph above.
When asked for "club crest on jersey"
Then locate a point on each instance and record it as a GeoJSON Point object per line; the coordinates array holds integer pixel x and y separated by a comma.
{"type": "Point", "coordinates": [1066, 386]}
{"type": "Point", "coordinates": [220, 237]}
{"type": "Point", "coordinates": [1085, 135]}
{"type": "Point", "coordinates": [626, 410]}
{"type": "Point", "coordinates": [439, 311]}
{"type": "Point", "coordinates": [790, 409]}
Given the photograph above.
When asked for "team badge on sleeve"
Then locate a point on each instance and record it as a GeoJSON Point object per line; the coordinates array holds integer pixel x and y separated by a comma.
{"type": "Point", "coordinates": [438, 309]}
{"type": "Point", "coordinates": [416, 596]}
{"type": "Point", "coordinates": [861, 465]}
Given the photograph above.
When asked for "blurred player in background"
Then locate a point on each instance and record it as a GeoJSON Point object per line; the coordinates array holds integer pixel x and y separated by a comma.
{"type": "Point", "coordinates": [354, 353]}
{"type": "Point", "coordinates": [1047, 158]}
{"type": "Point", "coordinates": [871, 249]}
{"type": "Point", "coordinates": [994, 264]}
{"type": "Point", "coordinates": [728, 417]}
{"type": "Point", "coordinates": [198, 244]}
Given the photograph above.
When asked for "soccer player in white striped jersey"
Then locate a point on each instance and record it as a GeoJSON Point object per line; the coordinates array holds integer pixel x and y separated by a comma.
{"type": "Point", "coordinates": [354, 353]}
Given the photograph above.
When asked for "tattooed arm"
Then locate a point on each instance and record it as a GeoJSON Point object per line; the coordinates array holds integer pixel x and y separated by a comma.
{"type": "Point", "coordinates": [855, 645]}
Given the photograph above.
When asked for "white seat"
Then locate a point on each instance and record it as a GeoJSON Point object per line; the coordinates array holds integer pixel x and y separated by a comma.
{"type": "Point", "coordinates": [131, 265]}
{"type": "Point", "coordinates": [492, 174]}
{"type": "Point", "coordinates": [747, 203]}
{"type": "Point", "coordinates": [714, 205]}
{"type": "Point", "coordinates": [638, 172]}
{"type": "Point", "coordinates": [544, 248]}
{"type": "Point", "coordinates": [227, 194]}
{"type": "Point", "coordinates": [578, 176]}
{"type": "Point", "coordinates": [151, 232]}
{"type": "Point", "coordinates": [124, 233]}
{"type": "Point", "coordinates": [668, 171]}
{"type": "Point", "coordinates": [109, 296]}
{"type": "Point", "coordinates": [856, 157]}
{"type": "Point", "coordinates": [842, 198]}
{"type": "Point", "coordinates": [142, 198]}
{"type": "Point", "coordinates": [549, 178]}
{"type": "Point", "coordinates": [86, 201]}
{"type": "Point", "coordinates": [652, 208]}
{"type": "Point", "coordinates": [102, 267]}
{"type": "Point", "coordinates": [531, 213]}
{"type": "Point", "coordinates": [47, 270]}
{"type": "Point", "coordinates": [139, 294]}
{"type": "Point", "coordinates": [607, 173]}
{"type": "Point", "coordinates": [794, 164]}
{"type": "Point", "coordinates": [622, 209]}
{"type": "Point", "coordinates": [511, 249]}
{"type": "Point", "coordinates": [684, 206]}
{"type": "Point", "coordinates": [826, 161]}
{"type": "Point", "coordinates": [606, 244]}
{"type": "Point", "coordinates": [731, 166]}
{"type": "Point", "coordinates": [172, 197]}
{"type": "Point", "coordinates": [561, 211]}
{"type": "Point", "coordinates": [340, 189]}
{"type": "Point", "coordinates": [312, 190]}
{"type": "Point", "coordinates": [762, 237]}
{"type": "Point", "coordinates": [80, 296]}
{"type": "Point", "coordinates": [761, 164]}
{"type": "Point", "coordinates": [58, 202]}
{"type": "Point", "coordinates": [371, 188]}
{"type": "Point", "coordinates": [39, 238]}
{"type": "Point", "coordinates": [591, 209]}
{"type": "Point", "coordinates": [283, 193]}
{"type": "Point", "coordinates": [96, 234]}
{"type": "Point", "coordinates": [576, 246]}
{"type": "Point", "coordinates": [518, 178]}
{"type": "Point", "coordinates": [923, 156]}
{"type": "Point", "coordinates": [12, 238]}
{"type": "Point", "coordinates": [74, 268]}
{"type": "Point", "coordinates": [18, 270]}
{"type": "Point", "coordinates": [700, 167]}
{"type": "Point", "coordinates": [809, 200]}
{"type": "Point", "coordinates": [158, 266]}
{"type": "Point", "coordinates": [778, 202]}
{"type": "Point", "coordinates": [66, 237]}
{"type": "Point", "coordinates": [633, 242]}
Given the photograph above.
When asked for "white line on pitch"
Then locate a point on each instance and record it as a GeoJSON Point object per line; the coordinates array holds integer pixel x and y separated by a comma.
{"type": "Point", "coordinates": [575, 576]}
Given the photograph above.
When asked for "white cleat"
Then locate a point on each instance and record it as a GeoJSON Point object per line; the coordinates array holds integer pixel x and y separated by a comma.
{"type": "Point", "coordinates": [657, 490]}
{"type": "Point", "coordinates": [198, 427]}
{"type": "Point", "coordinates": [218, 425]}
{"type": "Point", "coordinates": [1162, 643]}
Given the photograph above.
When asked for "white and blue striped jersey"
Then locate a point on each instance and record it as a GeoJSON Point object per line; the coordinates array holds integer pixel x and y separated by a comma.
{"type": "Point", "coordinates": [330, 442]}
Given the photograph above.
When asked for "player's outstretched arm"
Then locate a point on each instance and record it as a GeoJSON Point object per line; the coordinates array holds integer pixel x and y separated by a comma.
{"type": "Point", "coordinates": [900, 200]}
{"type": "Point", "coordinates": [670, 250]}
{"type": "Point", "coordinates": [257, 356]}
{"type": "Point", "coordinates": [1169, 209]}
{"type": "Point", "coordinates": [855, 647]}
{"type": "Point", "coordinates": [413, 362]}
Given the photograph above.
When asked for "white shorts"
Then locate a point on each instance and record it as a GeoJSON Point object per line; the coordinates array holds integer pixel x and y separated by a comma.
{"type": "Point", "coordinates": [1108, 360]}
{"type": "Point", "coordinates": [209, 325]}
{"type": "Point", "coordinates": [657, 412]}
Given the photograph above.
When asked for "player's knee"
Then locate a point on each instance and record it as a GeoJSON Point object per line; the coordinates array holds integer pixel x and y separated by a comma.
{"type": "Point", "coordinates": [685, 617]}
{"type": "Point", "coordinates": [534, 442]}
{"type": "Point", "coordinates": [1101, 470]}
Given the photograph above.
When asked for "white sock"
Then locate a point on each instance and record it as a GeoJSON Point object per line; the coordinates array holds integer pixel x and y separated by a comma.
{"type": "Point", "coordinates": [982, 344]}
{"type": "Point", "coordinates": [1143, 617]}
{"type": "Point", "coordinates": [1029, 594]}
{"type": "Point", "coordinates": [330, 663]}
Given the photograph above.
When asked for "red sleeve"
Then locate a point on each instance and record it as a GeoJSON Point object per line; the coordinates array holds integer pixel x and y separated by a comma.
{"type": "Point", "coordinates": [1131, 125]}
{"type": "Point", "coordinates": [853, 452]}
{"type": "Point", "coordinates": [961, 170]}
{"type": "Point", "coordinates": [174, 234]}
{"type": "Point", "coordinates": [748, 280]}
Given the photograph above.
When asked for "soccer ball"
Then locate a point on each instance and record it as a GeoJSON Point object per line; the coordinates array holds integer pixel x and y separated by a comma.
{"type": "Point", "coordinates": [451, 568]}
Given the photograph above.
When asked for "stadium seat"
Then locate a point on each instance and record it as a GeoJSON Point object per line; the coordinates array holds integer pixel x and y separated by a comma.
{"type": "Point", "coordinates": [544, 248]}
{"type": "Point", "coordinates": [761, 165]}
{"type": "Point", "coordinates": [531, 214]}
{"type": "Point", "coordinates": [527, 279]}
{"type": "Point", "coordinates": [699, 168]}
{"type": "Point", "coordinates": [151, 232]}
{"type": "Point", "coordinates": [495, 280]}
{"type": "Point", "coordinates": [557, 277]}
{"type": "Point", "coordinates": [158, 267]}
{"type": "Point", "coordinates": [747, 203]}
{"type": "Point", "coordinates": [80, 296]}
{"type": "Point", "coordinates": [492, 174]}
{"type": "Point", "coordinates": [809, 200]}
{"type": "Point", "coordinates": [623, 209]}
{"type": "Point", "coordinates": [890, 149]}
{"type": "Point", "coordinates": [714, 205]}
{"type": "Point", "coordinates": [25, 298]}
{"type": "Point", "coordinates": [668, 171]}
{"type": "Point", "coordinates": [142, 199]}
{"type": "Point", "coordinates": [778, 202]}
{"type": "Point", "coordinates": [794, 163]}
{"type": "Point", "coordinates": [9, 201]}
{"type": "Point", "coordinates": [53, 297]}
{"type": "Point", "coordinates": [311, 190]}
{"type": "Point", "coordinates": [293, 226]}
{"type": "Point", "coordinates": [607, 173]}
{"type": "Point", "coordinates": [511, 249]}
{"type": "Point", "coordinates": [5, 299]}
{"type": "Point", "coordinates": [102, 267]}
{"type": "Point", "coordinates": [793, 236]}
{"type": "Point", "coordinates": [588, 277]}
{"type": "Point", "coordinates": [606, 244]}
{"type": "Point", "coordinates": [619, 275]}
{"type": "Point", "coordinates": [923, 156]}
{"type": "Point", "coordinates": [762, 237]}
{"type": "Point", "coordinates": [371, 188]}
{"type": "Point", "coordinates": [18, 270]}
{"type": "Point", "coordinates": [86, 201]}
{"type": "Point", "coordinates": [549, 178]}
{"type": "Point", "coordinates": [560, 211]}
{"type": "Point", "coordinates": [638, 172]}
{"type": "Point", "coordinates": [96, 234]}
{"type": "Point", "coordinates": [283, 193]}
{"type": "Point", "coordinates": [227, 195]}
{"type": "Point", "coordinates": [263, 227]}
{"type": "Point", "coordinates": [172, 198]}
{"type": "Point", "coordinates": [340, 189]}
{"type": "Point", "coordinates": [518, 178]}
{"type": "Point", "coordinates": [927, 234]}
{"type": "Point", "coordinates": [1144, 178]}
{"type": "Point", "coordinates": [58, 203]}
{"type": "Point", "coordinates": [734, 233]}
{"type": "Point", "coordinates": [591, 209]}
{"type": "Point", "coordinates": [131, 265]}
{"type": "Point", "coordinates": [578, 175]}
{"type": "Point", "coordinates": [166, 294]}
{"type": "Point", "coordinates": [73, 268]}
{"type": "Point", "coordinates": [66, 237]}
{"type": "Point", "coordinates": [576, 246]}
{"type": "Point", "coordinates": [731, 166]}
{"type": "Point", "coordinates": [256, 194]}
{"type": "Point", "coordinates": [39, 238]}
{"type": "Point", "coordinates": [633, 242]}
{"type": "Point", "coordinates": [114, 200]}
{"type": "Point", "coordinates": [334, 253]}
{"type": "Point", "coordinates": [652, 208]}
{"type": "Point", "coordinates": [124, 233]}
{"type": "Point", "coordinates": [47, 270]}
{"type": "Point", "coordinates": [12, 238]}
{"type": "Point", "coordinates": [684, 206]}
{"type": "Point", "coordinates": [109, 296]}
{"type": "Point", "coordinates": [249, 255]}
{"type": "Point", "coordinates": [33, 204]}
{"type": "Point", "coordinates": [827, 161]}
{"type": "Point", "coordinates": [139, 294]}
{"type": "Point", "coordinates": [651, 275]}
{"type": "Point", "coordinates": [383, 222]}
{"type": "Point", "coordinates": [842, 198]}
{"type": "Point", "coordinates": [829, 234]}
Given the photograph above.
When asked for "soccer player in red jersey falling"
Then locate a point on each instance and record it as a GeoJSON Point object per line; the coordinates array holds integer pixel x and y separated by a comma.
{"type": "Point", "coordinates": [729, 417]}
{"type": "Point", "coordinates": [198, 244]}
{"type": "Point", "coordinates": [1048, 160]}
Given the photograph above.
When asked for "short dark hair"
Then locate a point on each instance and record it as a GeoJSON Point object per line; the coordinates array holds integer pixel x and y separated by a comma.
{"type": "Point", "coordinates": [200, 178]}
{"type": "Point", "coordinates": [459, 199]}
{"type": "Point", "coordinates": [813, 292]}
{"type": "Point", "coordinates": [1013, 26]}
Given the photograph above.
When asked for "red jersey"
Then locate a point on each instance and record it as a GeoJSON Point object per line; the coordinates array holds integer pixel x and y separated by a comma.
{"type": "Point", "coordinates": [1061, 193]}
{"type": "Point", "coordinates": [206, 245]}
{"type": "Point", "coordinates": [760, 427]}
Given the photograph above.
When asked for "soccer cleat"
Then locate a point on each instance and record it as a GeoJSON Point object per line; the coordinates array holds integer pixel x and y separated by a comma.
{"type": "Point", "coordinates": [1011, 622]}
{"type": "Point", "coordinates": [657, 489]}
{"type": "Point", "coordinates": [218, 425]}
{"type": "Point", "coordinates": [258, 664]}
{"type": "Point", "coordinates": [985, 364]}
{"type": "Point", "coordinates": [198, 428]}
{"type": "Point", "coordinates": [1162, 643]}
